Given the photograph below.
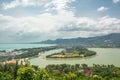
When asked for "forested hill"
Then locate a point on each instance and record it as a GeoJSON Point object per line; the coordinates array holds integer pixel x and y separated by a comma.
{"type": "Point", "coordinates": [111, 40]}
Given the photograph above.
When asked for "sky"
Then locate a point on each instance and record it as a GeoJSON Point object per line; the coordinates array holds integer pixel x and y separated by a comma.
{"type": "Point", "coordinates": [37, 20]}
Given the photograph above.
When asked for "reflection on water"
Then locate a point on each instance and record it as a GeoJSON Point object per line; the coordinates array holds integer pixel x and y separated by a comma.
{"type": "Point", "coordinates": [87, 58]}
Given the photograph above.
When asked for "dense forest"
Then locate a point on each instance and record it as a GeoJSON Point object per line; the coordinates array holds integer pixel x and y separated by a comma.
{"type": "Point", "coordinates": [59, 72]}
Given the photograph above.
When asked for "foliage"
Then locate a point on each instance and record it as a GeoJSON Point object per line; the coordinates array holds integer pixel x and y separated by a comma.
{"type": "Point", "coordinates": [73, 52]}
{"type": "Point", "coordinates": [6, 76]}
{"type": "Point", "coordinates": [59, 72]}
{"type": "Point", "coordinates": [33, 52]}
{"type": "Point", "coordinates": [42, 74]}
{"type": "Point", "coordinates": [26, 73]}
{"type": "Point", "coordinates": [25, 53]}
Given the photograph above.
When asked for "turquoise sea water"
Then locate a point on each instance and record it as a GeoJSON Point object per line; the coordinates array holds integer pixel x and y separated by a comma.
{"type": "Point", "coordinates": [20, 46]}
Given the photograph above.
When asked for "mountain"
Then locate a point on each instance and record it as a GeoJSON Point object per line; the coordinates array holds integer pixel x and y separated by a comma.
{"type": "Point", "coordinates": [111, 40]}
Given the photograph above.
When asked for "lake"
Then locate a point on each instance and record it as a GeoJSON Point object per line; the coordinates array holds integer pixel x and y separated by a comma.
{"type": "Point", "coordinates": [104, 56]}
{"type": "Point", "coordinates": [20, 46]}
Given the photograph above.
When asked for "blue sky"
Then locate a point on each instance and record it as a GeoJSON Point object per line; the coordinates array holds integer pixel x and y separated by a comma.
{"type": "Point", "coordinates": [37, 20]}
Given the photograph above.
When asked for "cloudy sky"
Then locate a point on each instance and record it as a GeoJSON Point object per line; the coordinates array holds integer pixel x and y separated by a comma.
{"type": "Point", "coordinates": [37, 20]}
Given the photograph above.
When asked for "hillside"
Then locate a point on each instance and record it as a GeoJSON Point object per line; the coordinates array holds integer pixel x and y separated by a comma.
{"type": "Point", "coordinates": [111, 40]}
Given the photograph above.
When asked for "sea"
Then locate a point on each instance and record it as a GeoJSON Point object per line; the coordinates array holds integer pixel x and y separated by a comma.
{"type": "Point", "coordinates": [21, 46]}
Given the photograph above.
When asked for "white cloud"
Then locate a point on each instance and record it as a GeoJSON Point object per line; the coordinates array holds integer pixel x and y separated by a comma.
{"type": "Point", "coordinates": [57, 4]}
{"type": "Point", "coordinates": [13, 4]}
{"type": "Point", "coordinates": [44, 26]}
{"type": "Point", "coordinates": [62, 25]}
{"type": "Point", "coordinates": [116, 1]}
{"type": "Point", "coordinates": [88, 26]}
{"type": "Point", "coordinates": [102, 8]}
{"type": "Point", "coordinates": [61, 4]}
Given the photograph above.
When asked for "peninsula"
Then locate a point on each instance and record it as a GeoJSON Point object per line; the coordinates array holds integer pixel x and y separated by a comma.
{"type": "Point", "coordinates": [73, 52]}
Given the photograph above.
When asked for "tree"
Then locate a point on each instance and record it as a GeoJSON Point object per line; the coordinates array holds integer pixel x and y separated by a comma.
{"type": "Point", "coordinates": [42, 74]}
{"type": "Point", "coordinates": [70, 76]}
{"type": "Point", "coordinates": [26, 73]}
{"type": "Point", "coordinates": [84, 66]}
{"type": "Point", "coordinates": [5, 76]}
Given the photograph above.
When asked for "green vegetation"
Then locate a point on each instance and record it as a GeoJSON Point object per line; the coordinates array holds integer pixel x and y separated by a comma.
{"type": "Point", "coordinates": [59, 72]}
{"type": "Point", "coordinates": [70, 52]}
{"type": "Point", "coordinates": [111, 40]}
{"type": "Point", "coordinates": [73, 52]}
{"type": "Point", "coordinates": [26, 53]}
{"type": "Point", "coordinates": [4, 58]}
{"type": "Point", "coordinates": [33, 52]}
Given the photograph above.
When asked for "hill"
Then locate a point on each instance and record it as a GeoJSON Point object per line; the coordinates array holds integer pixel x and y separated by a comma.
{"type": "Point", "coordinates": [111, 40]}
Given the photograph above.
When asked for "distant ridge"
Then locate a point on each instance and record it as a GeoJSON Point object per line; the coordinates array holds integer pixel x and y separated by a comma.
{"type": "Point", "coordinates": [111, 40]}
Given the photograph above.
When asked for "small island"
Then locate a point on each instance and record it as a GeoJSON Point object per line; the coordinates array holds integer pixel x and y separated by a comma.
{"type": "Point", "coordinates": [73, 52]}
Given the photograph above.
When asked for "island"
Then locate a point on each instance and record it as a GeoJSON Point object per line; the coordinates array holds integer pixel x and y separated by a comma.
{"type": "Point", "coordinates": [73, 52]}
